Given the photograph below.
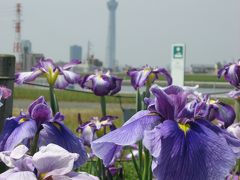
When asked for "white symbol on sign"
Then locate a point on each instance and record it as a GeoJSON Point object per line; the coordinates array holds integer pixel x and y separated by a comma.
{"type": "Point", "coordinates": [178, 52]}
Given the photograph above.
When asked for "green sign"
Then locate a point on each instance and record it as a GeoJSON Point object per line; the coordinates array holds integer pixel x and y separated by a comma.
{"type": "Point", "coordinates": [178, 52]}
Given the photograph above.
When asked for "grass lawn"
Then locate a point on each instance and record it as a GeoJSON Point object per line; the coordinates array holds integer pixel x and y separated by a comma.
{"type": "Point", "coordinates": [29, 92]}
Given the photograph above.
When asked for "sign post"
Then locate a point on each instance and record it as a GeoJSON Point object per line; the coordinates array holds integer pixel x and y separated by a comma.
{"type": "Point", "coordinates": [178, 63]}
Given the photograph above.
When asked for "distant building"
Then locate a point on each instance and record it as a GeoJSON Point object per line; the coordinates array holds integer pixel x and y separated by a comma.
{"type": "Point", "coordinates": [75, 52]}
{"type": "Point", "coordinates": [201, 68]}
{"type": "Point", "coordinates": [89, 65]}
{"type": "Point", "coordinates": [30, 60]}
{"type": "Point", "coordinates": [26, 46]}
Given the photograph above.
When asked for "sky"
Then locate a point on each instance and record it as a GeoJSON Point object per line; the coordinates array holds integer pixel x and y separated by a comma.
{"type": "Point", "coordinates": [146, 29]}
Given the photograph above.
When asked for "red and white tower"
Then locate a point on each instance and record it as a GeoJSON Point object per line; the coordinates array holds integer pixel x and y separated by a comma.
{"type": "Point", "coordinates": [17, 49]}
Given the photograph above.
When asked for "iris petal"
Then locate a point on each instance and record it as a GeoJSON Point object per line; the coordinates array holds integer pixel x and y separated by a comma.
{"type": "Point", "coordinates": [41, 113]}
{"type": "Point", "coordinates": [5, 92]}
{"type": "Point", "coordinates": [59, 134]}
{"type": "Point", "coordinates": [232, 141]}
{"type": "Point", "coordinates": [195, 155]}
{"type": "Point", "coordinates": [70, 76]}
{"type": "Point", "coordinates": [22, 77]}
{"type": "Point", "coordinates": [231, 74]}
{"type": "Point", "coordinates": [225, 113]}
{"type": "Point", "coordinates": [166, 74]}
{"type": "Point", "coordinates": [86, 81]}
{"type": "Point", "coordinates": [61, 82]}
{"type": "Point", "coordinates": [152, 140]}
{"type": "Point", "coordinates": [117, 82]}
{"type": "Point", "coordinates": [9, 126]}
{"type": "Point", "coordinates": [22, 175]}
{"type": "Point", "coordinates": [70, 65]}
{"type": "Point", "coordinates": [46, 64]}
{"type": "Point", "coordinates": [139, 77]}
{"type": "Point", "coordinates": [101, 86]}
{"type": "Point", "coordinates": [164, 103]}
{"type": "Point", "coordinates": [21, 132]}
{"type": "Point", "coordinates": [39, 100]}
{"type": "Point", "coordinates": [131, 132]}
{"type": "Point", "coordinates": [54, 160]}
{"type": "Point", "coordinates": [234, 94]}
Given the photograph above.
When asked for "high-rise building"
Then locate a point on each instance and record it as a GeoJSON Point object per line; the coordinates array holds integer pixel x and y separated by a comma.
{"type": "Point", "coordinates": [111, 41]}
{"type": "Point", "coordinates": [30, 60]}
{"type": "Point", "coordinates": [26, 46]}
{"type": "Point", "coordinates": [76, 52]}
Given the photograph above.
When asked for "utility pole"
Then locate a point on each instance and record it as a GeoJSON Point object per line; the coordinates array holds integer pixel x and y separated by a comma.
{"type": "Point", "coordinates": [17, 49]}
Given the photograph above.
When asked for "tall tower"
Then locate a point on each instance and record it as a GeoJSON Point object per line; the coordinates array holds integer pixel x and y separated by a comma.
{"type": "Point", "coordinates": [17, 49]}
{"type": "Point", "coordinates": [111, 40]}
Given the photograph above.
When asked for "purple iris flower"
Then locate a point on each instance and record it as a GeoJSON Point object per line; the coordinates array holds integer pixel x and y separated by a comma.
{"type": "Point", "coordinates": [57, 76]}
{"type": "Point", "coordinates": [139, 77]}
{"type": "Point", "coordinates": [235, 94]}
{"type": "Point", "coordinates": [231, 73]}
{"type": "Point", "coordinates": [22, 129]}
{"type": "Point", "coordinates": [233, 177]}
{"type": "Point", "coordinates": [183, 147]}
{"type": "Point", "coordinates": [4, 93]}
{"type": "Point", "coordinates": [234, 129]}
{"type": "Point", "coordinates": [101, 83]}
{"type": "Point", "coordinates": [210, 109]}
{"type": "Point", "coordinates": [113, 170]}
{"type": "Point", "coordinates": [89, 128]}
{"type": "Point", "coordinates": [50, 162]}
{"type": "Point", "coordinates": [134, 152]}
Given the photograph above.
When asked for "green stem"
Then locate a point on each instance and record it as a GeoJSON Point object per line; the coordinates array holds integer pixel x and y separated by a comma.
{"type": "Point", "coordinates": [136, 166]}
{"type": "Point", "coordinates": [147, 165]}
{"type": "Point", "coordinates": [237, 109]}
{"type": "Point", "coordinates": [138, 101]}
{"type": "Point", "coordinates": [103, 105]}
{"type": "Point", "coordinates": [99, 168]}
{"type": "Point", "coordinates": [34, 145]}
{"type": "Point", "coordinates": [237, 167]}
{"type": "Point", "coordinates": [53, 100]}
{"type": "Point", "coordinates": [109, 175]}
{"type": "Point", "coordinates": [146, 94]}
{"type": "Point", "coordinates": [147, 90]}
{"type": "Point", "coordinates": [140, 153]}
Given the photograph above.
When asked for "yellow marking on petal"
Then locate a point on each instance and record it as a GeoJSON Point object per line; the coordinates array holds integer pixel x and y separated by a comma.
{"type": "Point", "coordinates": [146, 70]}
{"type": "Point", "coordinates": [212, 101]}
{"type": "Point", "coordinates": [184, 127]}
{"type": "Point", "coordinates": [99, 77]}
{"type": "Point", "coordinates": [42, 176]}
{"type": "Point", "coordinates": [152, 114]}
{"type": "Point", "coordinates": [150, 79]}
{"type": "Point", "coordinates": [57, 125]}
{"type": "Point", "coordinates": [52, 76]}
{"type": "Point", "coordinates": [99, 73]}
{"type": "Point", "coordinates": [103, 122]}
{"type": "Point", "coordinates": [55, 75]}
{"type": "Point", "coordinates": [22, 120]}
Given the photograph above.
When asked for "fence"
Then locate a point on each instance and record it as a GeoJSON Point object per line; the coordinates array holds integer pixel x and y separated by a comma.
{"type": "Point", "coordinates": [7, 71]}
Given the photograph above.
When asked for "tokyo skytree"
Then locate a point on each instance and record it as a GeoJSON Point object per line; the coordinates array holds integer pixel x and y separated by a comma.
{"type": "Point", "coordinates": [111, 39]}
